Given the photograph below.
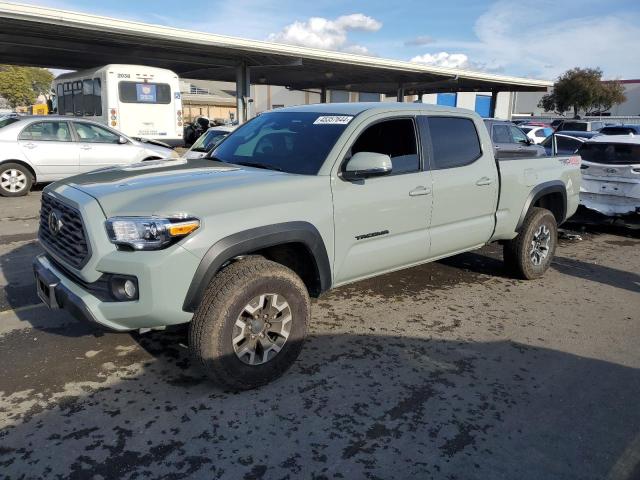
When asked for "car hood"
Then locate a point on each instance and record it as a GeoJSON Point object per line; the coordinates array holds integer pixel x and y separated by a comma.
{"type": "Point", "coordinates": [168, 187]}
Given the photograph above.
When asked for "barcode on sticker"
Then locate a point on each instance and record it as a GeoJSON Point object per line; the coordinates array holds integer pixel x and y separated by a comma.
{"type": "Point", "coordinates": [333, 120]}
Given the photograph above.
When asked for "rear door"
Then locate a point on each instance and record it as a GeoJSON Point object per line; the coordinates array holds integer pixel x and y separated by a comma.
{"type": "Point", "coordinates": [101, 147]}
{"type": "Point", "coordinates": [381, 222]}
{"type": "Point", "coordinates": [465, 184]}
{"type": "Point", "coordinates": [50, 147]}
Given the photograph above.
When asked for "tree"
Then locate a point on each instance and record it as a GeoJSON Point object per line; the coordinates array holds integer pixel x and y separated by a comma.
{"type": "Point", "coordinates": [21, 86]}
{"type": "Point", "coordinates": [582, 89]}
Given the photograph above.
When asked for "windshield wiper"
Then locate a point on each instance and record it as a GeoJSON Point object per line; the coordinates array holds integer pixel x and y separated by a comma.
{"type": "Point", "coordinates": [260, 165]}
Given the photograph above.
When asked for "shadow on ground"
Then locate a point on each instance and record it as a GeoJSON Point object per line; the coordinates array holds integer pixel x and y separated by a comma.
{"type": "Point", "coordinates": [352, 407]}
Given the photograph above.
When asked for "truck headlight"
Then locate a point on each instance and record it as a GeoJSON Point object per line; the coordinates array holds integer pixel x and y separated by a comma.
{"type": "Point", "coordinates": [149, 233]}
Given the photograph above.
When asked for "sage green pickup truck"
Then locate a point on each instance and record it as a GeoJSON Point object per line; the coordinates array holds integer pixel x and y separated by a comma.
{"type": "Point", "coordinates": [293, 203]}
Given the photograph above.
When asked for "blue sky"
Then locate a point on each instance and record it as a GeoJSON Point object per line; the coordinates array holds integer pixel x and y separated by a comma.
{"type": "Point", "coordinates": [536, 39]}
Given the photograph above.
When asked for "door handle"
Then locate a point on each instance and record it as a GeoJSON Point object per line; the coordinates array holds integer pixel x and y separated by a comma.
{"type": "Point", "coordinates": [30, 145]}
{"type": "Point", "coordinates": [420, 190]}
{"type": "Point", "coordinates": [86, 147]}
{"type": "Point", "coordinates": [484, 181]}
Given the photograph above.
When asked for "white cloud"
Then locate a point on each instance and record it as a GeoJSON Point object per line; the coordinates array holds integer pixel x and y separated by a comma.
{"type": "Point", "coordinates": [419, 41]}
{"type": "Point", "coordinates": [545, 39]}
{"type": "Point", "coordinates": [318, 32]}
{"type": "Point", "coordinates": [443, 59]}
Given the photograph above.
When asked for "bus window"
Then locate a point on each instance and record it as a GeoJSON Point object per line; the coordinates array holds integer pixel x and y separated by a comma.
{"type": "Point", "coordinates": [77, 99]}
{"type": "Point", "coordinates": [60, 99]}
{"type": "Point", "coordinates": [141, 92]}
{"type": "Point", "coordinates": [68, 99]}
{"type": "Point", "coordinates": [87, 97]}
{"type": "Point", "coordinates": [97, 97]}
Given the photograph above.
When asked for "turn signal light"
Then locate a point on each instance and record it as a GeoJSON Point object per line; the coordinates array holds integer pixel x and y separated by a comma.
{"type": "Point", "coordinates": [182, 229]}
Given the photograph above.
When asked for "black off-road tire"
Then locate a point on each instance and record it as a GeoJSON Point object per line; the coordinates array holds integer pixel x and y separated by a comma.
{"type": "Point", "coordinates": [26, 174]}
{"type": "Point", "coordinates": [517, 252]}
{"type": "Point", "coordinates": [211, 330]}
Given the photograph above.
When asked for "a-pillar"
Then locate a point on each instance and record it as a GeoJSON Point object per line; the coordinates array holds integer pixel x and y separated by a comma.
{"type": "Point", "coordinates": [243, 92]}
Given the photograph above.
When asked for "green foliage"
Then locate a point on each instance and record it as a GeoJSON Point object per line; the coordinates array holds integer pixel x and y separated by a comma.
{"type": "Point", "coordinates": [582, 90]}
{"type": "Point", "coordinates": [20, 86]}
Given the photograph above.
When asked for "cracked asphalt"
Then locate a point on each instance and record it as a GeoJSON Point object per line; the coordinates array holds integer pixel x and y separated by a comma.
{"type": "Point", "coordinates": [450, 370]}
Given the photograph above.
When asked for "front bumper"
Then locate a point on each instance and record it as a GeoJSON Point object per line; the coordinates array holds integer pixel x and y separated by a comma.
{"type": "Point", "coordinates": [159, 304]}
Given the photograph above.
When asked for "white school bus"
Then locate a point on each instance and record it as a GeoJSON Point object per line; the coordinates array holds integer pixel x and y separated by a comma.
{"type": "Point", "coordinates": [139, 101]}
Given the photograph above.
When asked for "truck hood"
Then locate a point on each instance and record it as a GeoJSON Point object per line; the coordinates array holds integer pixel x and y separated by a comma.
{"type": "Point", "coordinates": [166, 187]}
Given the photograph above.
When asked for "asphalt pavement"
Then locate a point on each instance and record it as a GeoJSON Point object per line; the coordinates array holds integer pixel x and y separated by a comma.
{"type": "Point", "coordinates": [451, 370]}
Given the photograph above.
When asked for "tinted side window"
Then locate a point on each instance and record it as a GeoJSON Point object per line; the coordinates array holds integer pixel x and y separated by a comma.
{"type": "Point", "coordinates": [566, 145]}
{"type": "Point", "coordinates": [60, 98]}
{"type": "Point", "coordinates": [501, 134]}
{"type": "Point", "coordinates": [46, 132]}
{"type": "Point", "coordinates": [87, 93]}
{"type": "Point", "coordinates": [454, 142]}
{"type": "Point", "coordinates": [395, 138]}
{"type": "Point", "coordinates": [97, 97]}
{"type": "Point", "coordinates": [518, 135]}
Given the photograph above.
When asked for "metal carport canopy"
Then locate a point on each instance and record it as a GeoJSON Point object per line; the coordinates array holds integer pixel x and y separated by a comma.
{"type": "Point", "coordinates": [46, 37]}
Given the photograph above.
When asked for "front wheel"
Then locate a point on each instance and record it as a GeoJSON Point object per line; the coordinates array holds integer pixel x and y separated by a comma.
{"type": "Point", "coordinates": [529, 255]}
{"type": "Point", "coordinates": [15, 180]}
{"type": "Point", "coordinates": [250, 326]}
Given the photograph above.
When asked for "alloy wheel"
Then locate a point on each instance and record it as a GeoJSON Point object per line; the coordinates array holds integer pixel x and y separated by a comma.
{"type": "Point", "coordinates": [262, 329]}
{"type": "Point", "coordinates": [540, 245]}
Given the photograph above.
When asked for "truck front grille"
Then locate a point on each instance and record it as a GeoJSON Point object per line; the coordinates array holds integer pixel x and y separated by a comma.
{"type": "Point", "coordinates": [62, 232]}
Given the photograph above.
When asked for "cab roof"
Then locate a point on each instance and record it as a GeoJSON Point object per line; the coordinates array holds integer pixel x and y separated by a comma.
{"type": "Point", "coordinates": [359, 107]}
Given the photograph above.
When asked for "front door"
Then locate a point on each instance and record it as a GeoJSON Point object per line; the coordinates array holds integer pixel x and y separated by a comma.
{"type": "Point", "coordinates": [381, 222]}
{"type": "Point", "coordinates": [49, 146]}
{"type": "Point", "coordinates": [100, 147]}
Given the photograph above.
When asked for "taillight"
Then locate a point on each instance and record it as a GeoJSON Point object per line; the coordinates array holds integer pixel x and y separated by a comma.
{"type": "Point", "coordinates": [114, 117]}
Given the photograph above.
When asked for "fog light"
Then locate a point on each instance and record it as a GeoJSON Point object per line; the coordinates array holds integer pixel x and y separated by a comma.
{"type": "Point", "coordinates": [124, 288]}
{"type": "Point", "coordinates": [130, 289]}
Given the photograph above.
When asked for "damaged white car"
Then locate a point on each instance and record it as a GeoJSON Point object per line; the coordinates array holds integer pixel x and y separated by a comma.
{"type": "Point", "coordinates": [611, 174]}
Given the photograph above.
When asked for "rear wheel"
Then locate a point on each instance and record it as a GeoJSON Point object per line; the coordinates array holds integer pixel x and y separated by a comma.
{"type": "Point", "coordinates": [250, 326]}
{"type": "Point", "coordinates": [15, 180]}
{"type": "Point", "coordinates": [529, 255]}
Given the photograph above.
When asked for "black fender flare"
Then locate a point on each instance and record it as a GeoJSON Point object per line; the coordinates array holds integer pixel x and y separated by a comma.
{"type": "Point", "coordinates": [248, 241]}
{"type": "Point", "coordinates": [539, 191]}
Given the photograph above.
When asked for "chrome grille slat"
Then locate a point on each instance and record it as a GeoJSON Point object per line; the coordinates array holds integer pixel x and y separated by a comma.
{"type": "Point", "coordinates": [70, 244]}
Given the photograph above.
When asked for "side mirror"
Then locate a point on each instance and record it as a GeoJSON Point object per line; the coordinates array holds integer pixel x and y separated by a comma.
{"type": "Point", "coordinates": [367, 164]}
{"type": "Point", "coordinates": [122, 140]}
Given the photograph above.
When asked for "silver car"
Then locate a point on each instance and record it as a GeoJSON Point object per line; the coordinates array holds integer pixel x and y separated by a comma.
{"type": "Point", "coordinates": [36, 149]}
{"type": "Point", "coordinates": [207, 141]}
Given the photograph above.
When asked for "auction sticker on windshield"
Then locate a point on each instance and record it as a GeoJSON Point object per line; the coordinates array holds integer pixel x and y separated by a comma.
{"type": "Point", "coordinates": [333, 120]}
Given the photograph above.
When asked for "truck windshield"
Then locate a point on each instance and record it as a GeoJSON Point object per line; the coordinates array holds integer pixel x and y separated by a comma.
{"type": "Point", "coordinates": [292, 142]}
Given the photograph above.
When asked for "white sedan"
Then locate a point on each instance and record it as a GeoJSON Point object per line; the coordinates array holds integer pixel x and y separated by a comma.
{"type": "Point", "coordinates": [537, 134]}
{"type": "Point", "coordinates": [36, 149]}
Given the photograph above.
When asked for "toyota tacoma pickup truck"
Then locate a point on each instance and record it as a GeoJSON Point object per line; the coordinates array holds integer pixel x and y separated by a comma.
{"type": "Point", "coordinates": [293, 203]}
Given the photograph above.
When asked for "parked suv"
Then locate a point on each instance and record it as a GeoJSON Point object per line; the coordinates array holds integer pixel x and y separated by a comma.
{"type": "Point", "coordinates": [293, 203]}
{"type": "Point", "coordinates": [510, 141]}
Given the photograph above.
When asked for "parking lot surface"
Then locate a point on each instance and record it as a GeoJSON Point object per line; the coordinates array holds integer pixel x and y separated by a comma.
{"type": "Point", "coordinates": [449, 370]}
